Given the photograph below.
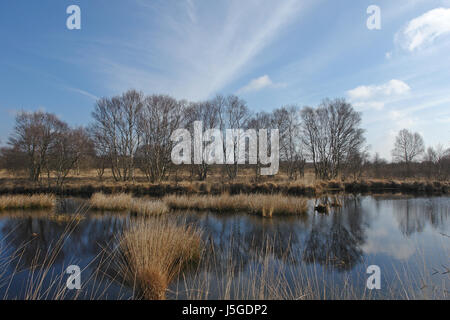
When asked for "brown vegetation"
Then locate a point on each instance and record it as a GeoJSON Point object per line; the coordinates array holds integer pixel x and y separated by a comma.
{"type": "Point", "coordinates": [38, 201]}
{"type": "Point", "coordinates": [123, 202]}
{"type": "Point", "coordinates": [86, 184]}
{"type": "Point", "coordinates": [258, 204]}
{"type": "Point", "coordinates": [263, 205]}
{"type": "Point", "coordinates": [154, 252]}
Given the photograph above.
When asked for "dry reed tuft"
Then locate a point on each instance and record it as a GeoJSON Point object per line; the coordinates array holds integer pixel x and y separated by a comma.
{"type": "Point", "coordinates": [116, 202]}
{"type": "Point", "coordinates": [123, 202]}
{"type": "Point", "coordinates": [148, 208]}
{"type": "Point", "coordinates": [154, 252]}
{"type": "Point", "coordinates": [264, 205]}
{"type": "Point", "coordinates": [19, 202]}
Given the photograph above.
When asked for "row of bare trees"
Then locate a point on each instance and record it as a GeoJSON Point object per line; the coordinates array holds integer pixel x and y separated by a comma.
{"type": "Point", "coordinates": [232, 113]}
{"type": "Point", "coordinates": [44, 145]}
{"type": "Point", "coordinates": [409, 148]}
{"type": "Point", "coordinates": [133, 132]}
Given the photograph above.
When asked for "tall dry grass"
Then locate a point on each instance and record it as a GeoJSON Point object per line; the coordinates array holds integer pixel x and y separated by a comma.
{"type": "Point", "coordinates": [124, 202]}
{"type": "Point", "coordinates": [263, 205]}
{"type": "Point", "coordinates": [153, 253]}
{"type": "Point", "coordinates": [19, 202]}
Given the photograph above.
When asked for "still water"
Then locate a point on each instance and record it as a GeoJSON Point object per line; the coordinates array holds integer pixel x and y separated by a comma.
{"type": "Point", "coordinates": [407, 237]}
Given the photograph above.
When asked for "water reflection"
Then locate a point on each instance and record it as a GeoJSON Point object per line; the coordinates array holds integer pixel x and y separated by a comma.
{"type": "Point", "coordinates": [378, 229]}
{"type": "Point", "coordinates": [413, 215]}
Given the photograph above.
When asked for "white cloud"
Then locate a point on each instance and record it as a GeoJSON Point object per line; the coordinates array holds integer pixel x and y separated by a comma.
{"type": "Point", "coordinates": [424, 30]}
{"type": "Point", "coordinates": [393, 87]}
{"type": "Point", "coordinates": [259, 84]}
{"type": "Point", "coordinates": [375, 96]}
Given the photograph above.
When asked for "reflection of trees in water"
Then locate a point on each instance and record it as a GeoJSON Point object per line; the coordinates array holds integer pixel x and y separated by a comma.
{"type": "Point", "coordinates": [336, 239]}
{"type": "Point", "coordinates": [282, 238]}
{"type": "Point", "coordinates": [240, 239]}
{"type": "Point", "coordinates": [413, 215]}
{"type": "Point", "coordinates": [34, 239]}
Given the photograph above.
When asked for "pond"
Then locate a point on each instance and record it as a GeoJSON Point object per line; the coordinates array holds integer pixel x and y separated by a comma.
{"type": "Point", "coordinates": [318, 256]}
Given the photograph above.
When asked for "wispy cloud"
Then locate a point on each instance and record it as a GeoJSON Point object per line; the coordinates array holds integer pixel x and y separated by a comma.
{"type": "Point", "coordinates": [83, 92]}
{"type": "Point", "coordinates": [191, 10]}
{"type": "Point", "coordinates": [198, 55]}
{"type": "Point", "coordinates": [425, 29]}
{"type": "Point", "coordinates": [259, 84]}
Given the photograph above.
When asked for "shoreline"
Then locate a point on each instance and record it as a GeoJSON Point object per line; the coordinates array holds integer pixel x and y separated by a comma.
{"type": "Point", "coordinates": [206, 188]}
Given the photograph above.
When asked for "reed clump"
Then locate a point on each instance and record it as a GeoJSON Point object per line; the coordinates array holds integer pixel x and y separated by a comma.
{"type": "Point", "coordinates": [126, 202]}
{"type": "Point", "coordinates": [259, 204]}
{"type": "Point", "coordinates": [154, 252]}
{"type": "Point", "coordinates": [24, 202]}
{"type": "Point", "coordinates": [116, 202]}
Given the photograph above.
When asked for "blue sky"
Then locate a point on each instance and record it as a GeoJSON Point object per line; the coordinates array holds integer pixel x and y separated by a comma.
{"type": "Point", "coordinates": [271, 53]}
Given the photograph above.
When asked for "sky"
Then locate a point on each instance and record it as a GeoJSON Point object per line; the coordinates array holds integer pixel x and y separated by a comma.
{"type": "Point", "coordinates": [271, 53]}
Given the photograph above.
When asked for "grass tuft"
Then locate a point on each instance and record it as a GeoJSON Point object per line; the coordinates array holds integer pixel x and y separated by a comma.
{"type": "Point", "coordinates": [22, 202]}
{"type": "Point", "coordinates": [263, 205]}
{"type": "Point", "coordinates": [124, 202]}
{"type": "Point", "coordinates": [154, 252]}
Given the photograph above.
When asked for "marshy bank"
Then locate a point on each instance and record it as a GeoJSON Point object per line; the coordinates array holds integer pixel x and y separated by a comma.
{"type": "Point", "coordinates": [318, 188]}
{"type": "Point", "coordinates": [31, 202]}
{"type": "Point", "coordinates": [257, 204]}
{"type": "Point", "coordinates": [126, 202]}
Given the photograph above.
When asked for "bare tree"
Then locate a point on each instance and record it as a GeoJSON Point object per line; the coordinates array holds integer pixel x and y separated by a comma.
{"type": "Point", "coordinates": [287, 120]}
{"type": "Point", "coordinates": [346, 136]}
{"type": "Point", "coordinates": [408, 146]}
{"type": "Point", "coordinates": [435, 161]}
{"type": "Point", "coordinates": [260, 120]}
{"type": "Point", "coordinates": [355, 163]}
{"type": "Point", "coordinates": [132, 103]}
{"type": "Point", "coordinates": [69, 147]}
{"type": "Point", "coordinates": [101, 152]}
{"type": "Point", "coordinates": [330, 134]}
{"type": "Point", "coordinates": [14, 160]}
{"type": "Point", "coordinates": [208, 112]}
{"type": "Point", "coordinates": [115, 131]}
{"type": "Point", "coordinates": [234, 115]}
{"type": "Point", "coordinates": [160, 117]}
{"type": "Point", "coordinates": [33, 136]}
